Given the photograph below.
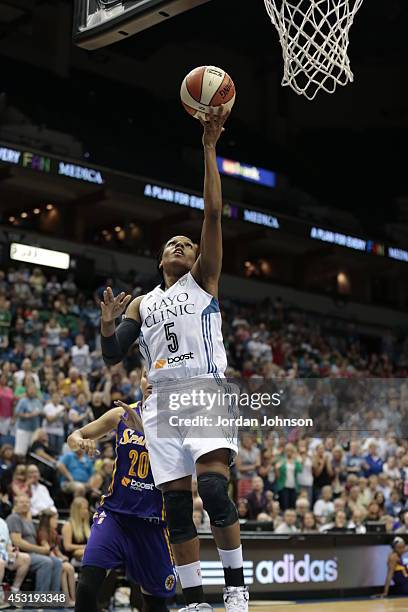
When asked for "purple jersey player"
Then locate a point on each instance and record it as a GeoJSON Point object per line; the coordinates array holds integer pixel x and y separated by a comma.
{"type": "Point", "coordinates": [129, 529]}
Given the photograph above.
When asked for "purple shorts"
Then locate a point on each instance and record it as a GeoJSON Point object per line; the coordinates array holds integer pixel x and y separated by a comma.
{"type": "Point", "coordinates": [140, 547]}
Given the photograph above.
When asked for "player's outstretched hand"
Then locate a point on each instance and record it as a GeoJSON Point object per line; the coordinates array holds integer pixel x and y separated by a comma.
{"type": "Point", "coordinates": [214, 127]}
{"type": "Point", "coordinates": [112, 307]}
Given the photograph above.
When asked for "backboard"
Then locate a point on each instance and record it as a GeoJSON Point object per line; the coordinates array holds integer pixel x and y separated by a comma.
{"type": "Point", "coordinates": [98, 23]}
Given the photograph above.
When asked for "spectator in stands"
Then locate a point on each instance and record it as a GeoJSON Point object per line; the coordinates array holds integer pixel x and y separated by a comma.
{"type": "Point", "coordinates": [19, 484]}
{"type": "Point", "coordinates": [5, 322]}
{"type": "Point", "coordinates": [40, 498]}
{"type": "Point", "coordinates": [305, 478]}
{"type": "Point", "coordinates": [26, 370]}
{"type": "Point", "coordinates": [302, 508]}
{"type": "Point", "coordinates": [106, 471]}
{"type": "Point", "coordinates": [12, 560]}
{"type": "Point", "coordinates": [354, 500]}
{"type": "Point", "coordinates": [80, 413]}
{"type": "Point", "coordinates": [380, 500]}
{"type": "Point", "coordinates": [248, 461]}
{"type": "Point", "coordinates": [354, 460]}
{"type": "Point", "coordinates": [289, 523]}
{"type": "Point", "coordinates": [357, 521]}
{"type": "Point", "coordinates": [77, 379]}
{"type": "Point", "coordinates": [266, 469]}
{"type": "Point", "coordinates": [339, 469]}
{"type": "Point", "coordinates": [7, 401]}
{"type": "Point", "coordinates": [324, 507]}
{"type": "Point", "coordinates": [53, 286]}
{"type": "Point", "coordinates": [75, 469]}
{"type": "Point", "coordinates": [76, 531]}
{"type": "Point", "coordinates": [7, 465]}
{"type": "Point", "coordinates": [54, 413]}
{"type": "Point", "coordinates": [373, 512]}
{"type": "Point", "coordinates": [20, 389]}
{"type": "Point", "coordinates": [323, 473]}
{"type": "Point", "coordinates": [309, 524]}
{"type": "Point", "coordinates": [41, 448]}
{"type": "Point", "coordinates": [80, 355]}
{"type": "Point", "coordinates": [373, 464]}
{"type": "Point", "coordinates": [23, 536]}
{"type": "Point", "coordinates": [288, 469]}
{"type": "Point", "coordinates": [69, 285]}
{"type": "Point", "coordinates": [257, 499]}
{"type": "Point", "coordinates": [365, 495]}
{"type": "Point", "coordinates": [100, 403]}
{"type": "Point", "coordinates": [243, 510]}
{"type": "Point", "coordinates": [394, 505]}
{"type": "Point", "coordinates": [340, 523]}
{"type": "Point", "coordinates": [28, 413]}
{"type": "Point", "coordinates": [404, 521]}
{"type": "Point", "coordinates": [37, 281]}
{"type": "Point", "coordinates": [48, 534]}
{"type": "Point", "coordinates": [391, 469]}
{"type": "Point", "coordinates": [274, 511]}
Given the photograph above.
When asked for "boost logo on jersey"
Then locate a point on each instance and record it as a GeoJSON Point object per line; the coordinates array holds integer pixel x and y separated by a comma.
{"type": "Point", "coordinates": [137, 485]}
{"type": "Point", "coordinates": [172, 362]}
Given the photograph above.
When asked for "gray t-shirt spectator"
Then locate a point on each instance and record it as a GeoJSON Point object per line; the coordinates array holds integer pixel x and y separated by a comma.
{"type": "Point", "coordinates": [25, 406]}
{"type": "Point", "coordinates": [18, 525]}
{"type": "Point", "coordinates": [248, 457]}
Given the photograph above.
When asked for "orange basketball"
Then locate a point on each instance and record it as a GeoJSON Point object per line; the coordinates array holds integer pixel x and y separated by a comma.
{"type": "Point", "coordinates": [204, 87]}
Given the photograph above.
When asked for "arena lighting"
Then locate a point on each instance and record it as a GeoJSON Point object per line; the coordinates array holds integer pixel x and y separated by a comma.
{"type": "Point", "coordinates": [49, 207]}
{"type": "Point", "coordinates": [350, 242]}
{"type": "Point", "coordinates": [118, 228]}
{"type": "Point", "coordinates": [50, 165]}
{"type": "Point", "coordinates": [158, 192]}
{"type": "Point", "coordinates": [24, 215]}
{"type": "Point", "coordinates": [254, 216]}
{"type": "Point", "coordinates": [39, 256]}
{"type": "Point", "coordinates": [398, 254]}
{"type": "Point", "coordinates": [245, 172]}
{"type": "Point", "coordinates": [12, 219]}
{"type": "Point", "coordinates": [36, 211]}
{"type": "Point", "coordinates": [358, 244]}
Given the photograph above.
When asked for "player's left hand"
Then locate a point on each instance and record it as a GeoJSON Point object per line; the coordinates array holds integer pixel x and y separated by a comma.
{"type": "Point", "coordinates": [214, 127]}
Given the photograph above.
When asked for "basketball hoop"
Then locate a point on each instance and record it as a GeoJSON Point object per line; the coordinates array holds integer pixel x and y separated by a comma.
{"type": "Point", "coordinates": [314, 35]}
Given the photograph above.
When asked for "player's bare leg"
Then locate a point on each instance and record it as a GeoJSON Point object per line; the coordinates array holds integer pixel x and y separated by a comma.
{"type": "Point", "coordinates": [212, 478]}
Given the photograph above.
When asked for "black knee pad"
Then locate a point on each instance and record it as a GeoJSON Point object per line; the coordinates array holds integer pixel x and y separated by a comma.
{"type": "Point", "coordinates": [179, 516]}
{"type": "Point", "coordinates": [213, 490]}
{"type": "Point", "coordinates": [90, 581]}
{"type": "Point", "coordinates": [154, 604]}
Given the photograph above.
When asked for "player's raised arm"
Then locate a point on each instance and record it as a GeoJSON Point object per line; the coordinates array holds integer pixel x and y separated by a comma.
{"type": "Point", "coordinates": [207, 268]}
{"type": "Point", "coordinates": [115, 342]}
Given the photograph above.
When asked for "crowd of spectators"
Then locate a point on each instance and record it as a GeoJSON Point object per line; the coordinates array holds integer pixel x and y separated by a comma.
{"type": "Point", "coordinates": [348, 474]}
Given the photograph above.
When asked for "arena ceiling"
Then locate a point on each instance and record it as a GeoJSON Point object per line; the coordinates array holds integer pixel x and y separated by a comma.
{"type": "Point", "coordinates": [342, 150]}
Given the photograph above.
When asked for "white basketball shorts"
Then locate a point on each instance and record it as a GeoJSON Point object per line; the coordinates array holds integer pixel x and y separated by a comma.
{"type": "Point", "coordinates": [177, 438]}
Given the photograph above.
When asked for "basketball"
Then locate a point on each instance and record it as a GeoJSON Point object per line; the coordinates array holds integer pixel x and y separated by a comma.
{"type": "Point", "coordinates": [204, 87]}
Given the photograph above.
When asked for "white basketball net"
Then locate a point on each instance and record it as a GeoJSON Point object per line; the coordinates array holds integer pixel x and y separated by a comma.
{"type": "Point", "coordinates": [314, 35]}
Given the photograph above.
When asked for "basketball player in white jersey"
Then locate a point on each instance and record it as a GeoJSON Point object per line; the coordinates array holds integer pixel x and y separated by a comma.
{"type": "Point", "coordinates": [179, 329]}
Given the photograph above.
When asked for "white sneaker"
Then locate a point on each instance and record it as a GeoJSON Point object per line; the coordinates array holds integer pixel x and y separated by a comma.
{"type": "Point", "coordinates": [193, 607]}
{"type": "Point", "coordinates": [236, 599]}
